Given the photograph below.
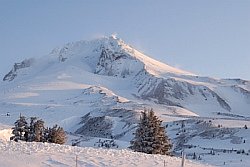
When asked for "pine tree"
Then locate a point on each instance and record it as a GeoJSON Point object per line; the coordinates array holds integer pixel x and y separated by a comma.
{"type": "Point", "coordinates": [36, 131]}
{"type": "Point", "coordinates": [39, 131]}
{"type": "Point", "coordinates": [20, 130]}
{"type": "Point", "coordinates": [46, 135]}
{"type": "Point", "coordinates": [32, 129]}
{"type": "Point", "coordinates": [57, 135]}
{"type": "Point", "coordinates": [150, 136]}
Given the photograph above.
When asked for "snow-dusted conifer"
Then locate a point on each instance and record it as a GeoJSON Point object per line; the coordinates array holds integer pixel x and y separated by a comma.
{"type": "Point", "coordinates": [150, 136]}
{"type": "Point", "coordinates": [39, 130]}
{"type": "Point", "coordinates": [20, 130]}
{"type": "Point", "coordinates": [32, 129]}
{"type": "Point", "coordinates": [46, 135]}
{"type": "Point", "coordinates": [36, 131]}
{"type": "Point", "coordinates": [57, 135]}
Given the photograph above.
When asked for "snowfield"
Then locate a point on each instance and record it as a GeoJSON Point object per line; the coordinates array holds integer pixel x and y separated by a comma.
{"type": "Point", "coordinates": [20, 154]}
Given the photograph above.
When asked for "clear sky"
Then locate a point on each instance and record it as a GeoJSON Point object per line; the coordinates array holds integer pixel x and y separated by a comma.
{"type": "Point", "coordinates": [206, 37]}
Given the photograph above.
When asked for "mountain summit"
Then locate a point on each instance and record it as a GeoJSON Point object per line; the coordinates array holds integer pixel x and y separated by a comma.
{"type": "Point", "coordinates": [110, 59]}
{"type": "Point", "coordinates": [106, 56]}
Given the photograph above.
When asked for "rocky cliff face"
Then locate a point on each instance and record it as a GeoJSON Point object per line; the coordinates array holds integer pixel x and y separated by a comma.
{"type": "Point", "coordinates": [17, 67]}
{"type": "Point", "coordinates": [118, 64]}
{"type": "Point", "coordinates": [174, 92]}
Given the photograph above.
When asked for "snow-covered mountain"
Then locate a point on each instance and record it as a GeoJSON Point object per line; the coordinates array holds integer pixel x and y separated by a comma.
{"type": "Point", "coordinates": [97, 89]}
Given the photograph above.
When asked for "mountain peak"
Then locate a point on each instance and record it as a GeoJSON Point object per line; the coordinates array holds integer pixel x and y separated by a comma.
{"type": "Point", "coordinates": [105, 55]}
{"type": "Point", "coordinates": [114, 35]}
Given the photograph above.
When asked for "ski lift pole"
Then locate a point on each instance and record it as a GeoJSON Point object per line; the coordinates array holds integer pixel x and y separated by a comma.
{"type": "Point", "coordinates": [76, 160]}
{"type": "Point", "coordinates": [183, 156]}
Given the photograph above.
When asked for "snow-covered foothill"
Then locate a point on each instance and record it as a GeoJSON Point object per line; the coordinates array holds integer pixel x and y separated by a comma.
{"type": "Point", "coordinates": [35, 154]}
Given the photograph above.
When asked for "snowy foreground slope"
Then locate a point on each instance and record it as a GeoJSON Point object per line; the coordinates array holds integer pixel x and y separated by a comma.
{"type": "Point", "coordinates": [20, 154]}
{"type": "Point", "coordinates": [96, 90]}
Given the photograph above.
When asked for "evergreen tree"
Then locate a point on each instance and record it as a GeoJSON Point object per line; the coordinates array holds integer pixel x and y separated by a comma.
{"type": "Point", "coordinates": [57, 135]}
{"type": "Point", "coordinates": [39, 131]}
{"type": "Point", "coordinates": [36, 131]}
{"type": "Point", "coordinates": [46, 135]}
{"type": "Point", "coordinates": [20, 130]}
{"type": "Point", "coordinates": [150, 136]}
{"type": "Point", "coordinates": [32, 129]}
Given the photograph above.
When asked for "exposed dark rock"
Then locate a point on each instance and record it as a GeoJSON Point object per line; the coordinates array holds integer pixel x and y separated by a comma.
{"type": "Point", "coordinates": [96, 127]}
{"type": "Point", "coordinates": [241, 90]}
{"type": "Point", "coordinates": [17, 66]}
{"type": "Point", "coordinates": [111, 63]}
{"type": "Point", "coordinates": [171, 91]}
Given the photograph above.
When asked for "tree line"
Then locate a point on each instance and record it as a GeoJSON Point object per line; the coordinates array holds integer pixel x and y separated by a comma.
{"type": "Point", "coordinates": [150, 137]}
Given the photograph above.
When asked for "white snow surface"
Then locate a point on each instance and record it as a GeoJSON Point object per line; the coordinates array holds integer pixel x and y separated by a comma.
{"type": "Point", "coordinates": [20, 154]}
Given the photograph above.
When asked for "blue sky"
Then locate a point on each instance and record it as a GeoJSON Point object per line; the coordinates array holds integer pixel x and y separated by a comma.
{"type": "Point", "coordinates": [206, 37]}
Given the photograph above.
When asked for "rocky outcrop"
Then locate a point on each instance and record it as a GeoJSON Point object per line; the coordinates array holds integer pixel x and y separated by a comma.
{"type": "Point", "coordinates": [95, 127]}
{"type": "Point", "coordinates": [173, 92]}
{"type": "Point", "coordinates": [119, 64]}
{"type": "Point", "coordinates": [102, 126]}
{"type": "Point", "coordinates": [17, 66]}
{"type": "Point", "coordinates": [108, 111]}
{"type": "Point", "coordinates": [241, 90]}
